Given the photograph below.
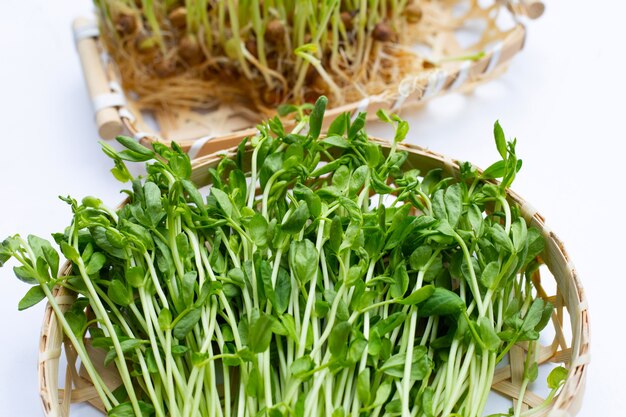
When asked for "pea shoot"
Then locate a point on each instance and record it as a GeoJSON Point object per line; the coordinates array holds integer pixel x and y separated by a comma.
{"type": "Point", "coordinates": [319, 277]}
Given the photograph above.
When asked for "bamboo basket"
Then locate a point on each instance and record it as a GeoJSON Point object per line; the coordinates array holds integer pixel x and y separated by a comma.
{"type": "Point", "coordinates": [559, 284]}
{"type": "Point", "coordinates": [203, 132]}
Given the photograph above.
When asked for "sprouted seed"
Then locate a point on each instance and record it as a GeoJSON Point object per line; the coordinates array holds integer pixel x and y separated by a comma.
{"type": "Point", "coordinates": [260, 54]}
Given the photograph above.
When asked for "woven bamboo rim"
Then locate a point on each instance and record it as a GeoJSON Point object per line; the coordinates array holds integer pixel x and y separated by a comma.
{"type": "Point", "coordinates": [201, 133]}
{"type": "Point", "coordinates": [569, 301]}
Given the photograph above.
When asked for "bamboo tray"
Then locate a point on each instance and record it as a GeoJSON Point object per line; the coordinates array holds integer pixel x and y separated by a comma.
{"type": "Point", "coordinates": [558, 283]}
{"type": "Point", "coordinates": [203, 132]}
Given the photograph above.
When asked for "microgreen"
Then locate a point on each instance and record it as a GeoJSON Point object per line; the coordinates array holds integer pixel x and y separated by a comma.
{"type": "Point", "coordinates": [346, 285]}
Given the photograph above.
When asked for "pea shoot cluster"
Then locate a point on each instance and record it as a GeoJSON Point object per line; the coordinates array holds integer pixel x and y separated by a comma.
{"type": "Point", "coordinates": [319, 277]}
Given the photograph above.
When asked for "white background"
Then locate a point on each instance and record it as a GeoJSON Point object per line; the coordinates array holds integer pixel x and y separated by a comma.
{"type": "Point", "coordinates": [563, 98]}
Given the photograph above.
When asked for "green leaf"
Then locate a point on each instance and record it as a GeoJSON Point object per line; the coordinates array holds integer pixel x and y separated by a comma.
{"type": "Point", "coordinates": [498, 134]}
{"type": "Point", "coordinates": [495, 170]}
{"type": "Point", "coordinates": [313, 201]}
{"type": "Point", "coordinates": [77, 321]}
{"type": "Point", "coordinates": [533, 315]}
{"type": "Point", "coordinates": [546, 315]}
{"type": "Point", "coordinates": [135, 276]}
{"type": "Point", "coordinates": [285, 109]}
{"type": "Point", "coordinates": [357, 125]}
{"type": "Point", "coordinates": [490, 273]}
{"type": "Point", "coordinates": [188, 287]}
{"type": "Point", "coordinates": [260, 334]}
{"type": "Point", "coordinates": [557, 377]}
{"type": "Point", "coordinates": [110, 240]}
{"type": "Point", "coordinates": [383, 116]}
{"type": "Point", "coordinates": [223, 201]}
{"type": "Point", "coordinates": [363, 386]}
{"type": "Point", "coordinates": [4, 257]}
{"type": "Point", "coordinates": [536, 244]}
{"type": "Point", "coordinates": [43, 248]}
{"type": "Point", "coordinates": [118, 293]}
{"type": "Point", "coordinates": [427, 401]}
{"type": "Point", "coordinates": [303, 260]}
{"type": "Point", "coordinates": [475, 217]}
{"type": "Point", "coordinates": [401, 282]}
{"type": "Point", "coordinates": [390, 323]}
{"type": "Point", "coordinates": [500, 238]}
{"type": "Point", "coordinates": [185, 323]}
{"type": "Point", "coordinates": [317, 117]}
{"type": "Point", "coordinates": [96, 262]}
{"type": "Point", "coordinates": [336, 141]}
{"type": "Point", "coordinates": [339, 125]}
{"type": "Point", "coordinates": [296, 221]}
{"type": "Point", "coordinates": [442, 302]}
{"type": "Point", "coordinates": [382, 394]}
{"type": "Point", "coordinates": [519, 234]}
{"type": "Point", "coordinates": [357, 180]}
{"type": "Point", "coordinates": [180, 165]}
{"type": "Point", "coordinates": [122, 410]}
{"type": "Point", "coordinates": [32, 297]}
{"type": "Point", "coordinates": [419, 296]}
{"type": "Point", "coordinates": [338, 339]}
{"type": "Point", "coordinates": [399, 234]}
{"type": "Point", "coordinates": [487, 334]}
{"type": "Point", "coordinates": [26, 275]}
{"type": "Point", "coordinates": [532, 372]}
{"type": "Point", "coordinates": [420, 257]}
{"type": "Point", "coordinates": [154, 208]}
{"type": "Point", "coordinates": [356, 349]}
{"type": "Point", "coordinates": [439, 205]}
{"type": "Point", "coordinates": [258, 230]}
{"type": "Point", "coordinates": [420, 364]}
{"type": "Point", "coordinates": [301, 366]}
{"type": "Point", "coordinates": [401, 131]}
{"type": "Point", "coordinates": [134, 146]}
{"type": "Point", "coordinates": [126, 346]}
{"type": "Point", "coordinates": [454, 204]}
{"type": "Point", "coordinates": [282, 291]}
{"type": "Point", "coordinates": [194, 195]}
{"type": "Point", "coordinates": [179, 350]}
{"type": "Point", "coordinates": [341, 178]}
{"type": "Point", "coordinates": [165, 319]}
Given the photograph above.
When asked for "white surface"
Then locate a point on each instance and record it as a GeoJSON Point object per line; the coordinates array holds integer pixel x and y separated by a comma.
{"type": "Point", "coordinates": [563, 99]}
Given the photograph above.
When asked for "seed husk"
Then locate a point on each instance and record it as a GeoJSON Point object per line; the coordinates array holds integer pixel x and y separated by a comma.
{"type": "Point", "coordinates": [189, 50]}
{"type": "Point", "coordinates": [178, 17]}
{"type": "Point", "coordinates": [383, 32]}
{"type": "Point", "coordinates": [126, 23]}
{"type": "Point", "coordinates": [275, 31]}
{"type": "Point", "coordinates": [413, 13]}
{"type": "Point", "coordinates": [165, 67]}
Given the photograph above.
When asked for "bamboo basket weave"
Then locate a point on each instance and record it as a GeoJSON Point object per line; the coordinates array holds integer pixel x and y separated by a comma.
{"type": "Point", "coordinates": [445, 41]}
{"type": "Point", "coordinates": [569, 346]}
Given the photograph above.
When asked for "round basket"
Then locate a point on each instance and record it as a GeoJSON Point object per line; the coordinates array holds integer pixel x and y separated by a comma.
{"type": "Point", "coordinates": [558, 284]}
{"type": "Point", "coordinates": [464, 43]}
